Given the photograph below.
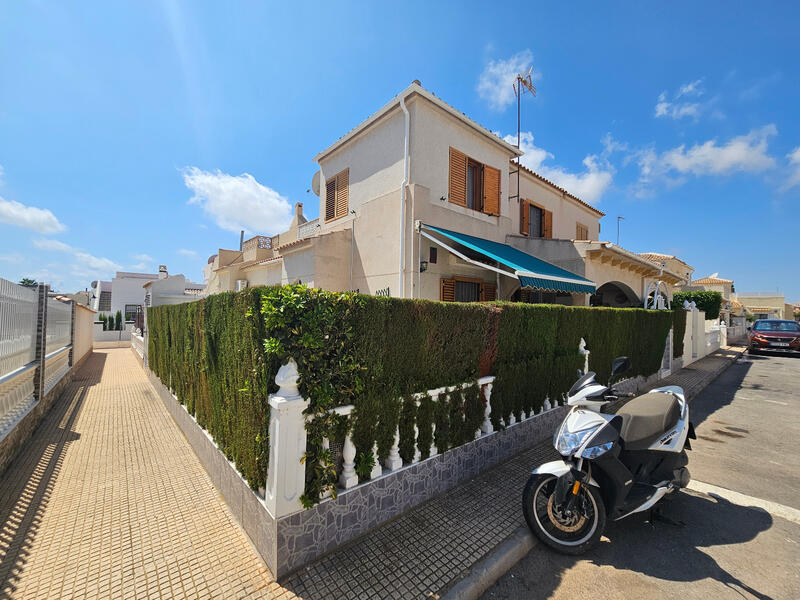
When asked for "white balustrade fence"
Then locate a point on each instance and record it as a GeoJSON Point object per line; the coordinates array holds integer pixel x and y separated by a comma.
{"type": "Point", "coordinates": [17, 326]}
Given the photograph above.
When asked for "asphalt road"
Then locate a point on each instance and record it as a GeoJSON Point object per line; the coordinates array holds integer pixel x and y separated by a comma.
{"type": "Point", "coordinates": [731, 546]}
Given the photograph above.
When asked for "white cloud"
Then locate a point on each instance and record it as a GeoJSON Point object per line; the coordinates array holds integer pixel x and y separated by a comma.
{"type": "Point", "coordinates": [742, 154]}
{"type": "Point", "coordinates": [40, 220]}
{"type": "Point", "coordinates": [85, 265]}
{"type": "Point", "coordinates": [588, 185]}
{"type": "Point", "coordinates": [142, 266]}
{"type": "Point", "coordinates": [678, 110]}
{"type": "Point", "coordinates": [238, 201]}
{"type": "Point", "coordinates": [189, 253]}
{"type": "Point", "coordinates": [13, 258]}
{"type": "Point", "coordinates": [144, 257]}
{"type": "Point", "coordinates": [746, 153]}
{"type": "Point", "coordinates": [496, 81]}
{"type": "Point", "coordinates": [794, 172]}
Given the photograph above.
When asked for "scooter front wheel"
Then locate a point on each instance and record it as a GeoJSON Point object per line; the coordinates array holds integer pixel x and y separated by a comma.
{"type": "Point", "coordinates": [568, 532]}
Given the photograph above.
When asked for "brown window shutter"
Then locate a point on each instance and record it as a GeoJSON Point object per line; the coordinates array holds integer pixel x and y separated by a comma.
{"type": "Point", "coordinates": [342, 192]}
{"type": "Point", "coordinates": [524, 217]}
{"type": "Point", "coordinates": [548, 224]}
{"type": "Point", "coordinates": [448, 290]}
{"type": "Point", "coordinates": [330, 199]}
{"type": "Point", "coordinates": [457, 193]}
{"type": "Point", "coordinates": [491, 188]}
{"type": "Point", "coordinates": [488, 292]}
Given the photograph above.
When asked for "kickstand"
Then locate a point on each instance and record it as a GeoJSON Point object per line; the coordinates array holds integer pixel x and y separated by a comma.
{"type": "Point", "coordinates": [656, 514]}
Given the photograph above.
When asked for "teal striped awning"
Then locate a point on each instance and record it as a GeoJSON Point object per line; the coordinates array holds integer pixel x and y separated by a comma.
{"type": "Point", "coordinates": [531, 271]}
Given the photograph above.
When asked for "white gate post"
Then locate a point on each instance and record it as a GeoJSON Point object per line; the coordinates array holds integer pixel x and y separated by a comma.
{"type": "Point", "coordinates": [286, 476]}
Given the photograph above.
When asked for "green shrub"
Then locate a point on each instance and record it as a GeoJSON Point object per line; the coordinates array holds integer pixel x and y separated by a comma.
{"type": "Point", "coordinates": [120, 324]}
{"type": "Point", "coordinates": [678, 330]}
{"type": "Point", "coordinates": [220, 355]}
{"type": "Point", "coordinates": [110, 323]}
{"type": "Point", "coordinates": [707, 301]}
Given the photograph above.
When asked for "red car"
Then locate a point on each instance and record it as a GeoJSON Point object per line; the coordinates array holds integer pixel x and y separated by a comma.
{"type": "Point", "coordinates": [775, 334]}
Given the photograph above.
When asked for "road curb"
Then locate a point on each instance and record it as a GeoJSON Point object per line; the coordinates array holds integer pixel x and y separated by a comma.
{"type": "Point", "coordinates": [484, 573]}
{"type": "Point", "coordinates": [499, 560]}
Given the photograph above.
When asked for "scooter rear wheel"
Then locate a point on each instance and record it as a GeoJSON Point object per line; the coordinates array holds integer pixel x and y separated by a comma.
{"type": "Point", "coordinates": [569, 534]}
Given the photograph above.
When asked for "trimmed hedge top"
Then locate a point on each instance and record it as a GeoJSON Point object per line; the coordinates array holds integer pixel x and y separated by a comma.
{"type": "Point", "coordinates": [707, 301]}
{"type": "Point", "coordinates": [220, 355]}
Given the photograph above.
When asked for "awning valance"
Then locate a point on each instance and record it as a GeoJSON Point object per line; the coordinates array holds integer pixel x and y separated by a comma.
{"type": "Point", "coordinates": [531, 271]}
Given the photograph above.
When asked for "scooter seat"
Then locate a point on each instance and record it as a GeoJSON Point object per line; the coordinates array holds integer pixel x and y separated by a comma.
{"type": "Point", "coordinates": [646, 418]}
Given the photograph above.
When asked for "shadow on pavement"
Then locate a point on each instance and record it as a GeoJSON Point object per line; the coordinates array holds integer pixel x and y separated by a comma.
{"type": "Point", "coordinates": [719, 393]}
{"type": "Point", "coordinates": [27, 483]}
{"type": "Point", "coordinates": [675, 553]}
{"type": "Point", "coordinates": [670, 553]}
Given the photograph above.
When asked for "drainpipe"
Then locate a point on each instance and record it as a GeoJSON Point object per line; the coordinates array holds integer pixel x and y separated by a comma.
{"type": "Point", "coordinates": [401, 279]}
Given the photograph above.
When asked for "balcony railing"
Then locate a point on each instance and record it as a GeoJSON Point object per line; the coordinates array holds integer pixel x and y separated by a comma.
{"type": "Point", "coordinates": [258, 241]}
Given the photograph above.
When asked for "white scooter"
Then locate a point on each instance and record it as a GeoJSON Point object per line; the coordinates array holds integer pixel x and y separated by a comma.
{"type": "Point", "coordinates": [621, 456]}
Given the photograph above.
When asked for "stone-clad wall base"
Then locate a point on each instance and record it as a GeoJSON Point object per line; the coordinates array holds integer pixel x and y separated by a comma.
{"type": "Point", "coordinates": [290, 542]}
{"type": "Point", "coordinates": [11, 444]}
{"type": "Point", "coordinates": [305, 535]}
{"type": "Point", "coordinates": [246, 506]}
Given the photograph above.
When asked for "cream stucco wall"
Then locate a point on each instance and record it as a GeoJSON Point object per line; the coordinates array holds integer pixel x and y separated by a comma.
{"type": "Point", "coordinates": [567, 213]}
{"type": "Point", "coordinates": [84, 332]}
{"type": "Point", "coordinates": [375, 163]}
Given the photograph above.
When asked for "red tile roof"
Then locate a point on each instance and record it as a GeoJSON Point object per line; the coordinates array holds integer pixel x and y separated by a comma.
{"type": "Point", "coordinates": [560, 189]}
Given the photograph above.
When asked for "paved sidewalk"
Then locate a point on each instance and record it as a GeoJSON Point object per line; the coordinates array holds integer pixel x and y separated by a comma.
{"type": "Point", "coordinates": [700, 373]}
{"type": "Point", "coordinates": [107, 500]}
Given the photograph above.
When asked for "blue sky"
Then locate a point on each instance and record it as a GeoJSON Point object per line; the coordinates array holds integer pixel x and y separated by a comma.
{"type": "Point", "coordinates": [133, 134]}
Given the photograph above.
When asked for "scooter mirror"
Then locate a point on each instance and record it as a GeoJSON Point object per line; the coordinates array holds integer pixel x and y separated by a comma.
{"type": "Point", "coordinates": [620, 365]}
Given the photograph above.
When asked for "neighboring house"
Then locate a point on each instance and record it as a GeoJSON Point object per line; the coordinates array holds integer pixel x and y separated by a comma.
{"type": "Point", "coordinates": [715, 283]}
{"type": "Point", "coordinates": [764, 305]}
{"type": "Point", "coordinates": [124, 292]}
{"type": "Point", "coordinates": [420, 201]}
{"type": "Point", "coordinates": [173, 289]}
{"type": "Point", "coordinates": [83, 298]}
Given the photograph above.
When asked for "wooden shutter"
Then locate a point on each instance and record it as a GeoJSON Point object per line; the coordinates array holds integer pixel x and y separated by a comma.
{"type": "Point", "coordinates": [491, 188]}
{"type": "Point", "coordinates": [330, 199]}
{"type": "Point", "coordinates": [457, 193]}
{"type": "Point", "coordinates": [448, 290]}
{"type": "Point", "coordinates": [488, 292]}
{"type": "Point", "coordinates": [581, 232]}
{"type": "Point", "coordinates": [524, 217]}
{"type": "Point", "coordinates": [342, 192]}
{"type": "Point", "coordinates": [547, 227]}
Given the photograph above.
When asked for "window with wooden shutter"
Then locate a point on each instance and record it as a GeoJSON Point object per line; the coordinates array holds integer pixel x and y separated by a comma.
{"type": "Point", "coordinates": [491, 186]}
{"type": "Point", "coordinates": [337, 191]}
{"type": "Point", "coordinates": [448, 290]}
{"type": "Point", "coordinates": [548, 225]}
{"type": "Point", "coordinates": [581, 232]}
{"type": "Point", "coordinates": [473, 184]}
{"type": "Point", "coordinates": [488, 292]}
{"type": "Point", "coordinates": [458, 178]}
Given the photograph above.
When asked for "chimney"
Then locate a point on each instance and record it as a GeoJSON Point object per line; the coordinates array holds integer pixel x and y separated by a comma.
{"type": "Point", "coordinates": [298, 209]}
{"type": "Point", "coordinates": [162, 272]}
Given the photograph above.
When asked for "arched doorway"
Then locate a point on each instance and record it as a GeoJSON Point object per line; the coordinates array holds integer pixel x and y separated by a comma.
{"type": "Point", "coordinates": [615, 294]}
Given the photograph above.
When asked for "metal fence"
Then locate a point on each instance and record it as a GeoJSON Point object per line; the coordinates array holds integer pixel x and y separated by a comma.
{"type": "Point", "coordinates": [29, 371]}
{"type": "Point", "coordinates": [18, 306]}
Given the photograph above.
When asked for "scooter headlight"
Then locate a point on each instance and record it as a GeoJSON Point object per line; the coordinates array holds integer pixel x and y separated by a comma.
{"type": "Point", "coordinates": [595, 451]}
{"type": "Point", "coordinates": [567, 442]}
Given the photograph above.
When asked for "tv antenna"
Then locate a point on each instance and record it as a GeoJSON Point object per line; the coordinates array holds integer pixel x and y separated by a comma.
{"type": "Point", "coordinates": [522, 83]}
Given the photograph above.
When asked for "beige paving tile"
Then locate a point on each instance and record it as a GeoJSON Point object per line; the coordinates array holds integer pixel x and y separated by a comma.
{"type": "Point", "coordinates": [107, 500]}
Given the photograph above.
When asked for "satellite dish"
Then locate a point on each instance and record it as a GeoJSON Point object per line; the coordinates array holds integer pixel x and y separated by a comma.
{"type": "Point", "coordinates": [315, 183]}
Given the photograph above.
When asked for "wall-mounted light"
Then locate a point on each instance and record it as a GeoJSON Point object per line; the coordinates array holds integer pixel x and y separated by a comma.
{"type": "Point", "coordinates": [443, 199]}
{"type": "Point", "coordinates": [423, 266]}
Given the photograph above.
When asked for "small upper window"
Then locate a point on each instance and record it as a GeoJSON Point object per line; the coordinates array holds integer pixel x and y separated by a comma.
{"type": "Point", "coordinates": [337, 195]}
{"type": "Point", "coordinates": [473, 184]}
{"type": "Point", "coordinates": [581, 232]}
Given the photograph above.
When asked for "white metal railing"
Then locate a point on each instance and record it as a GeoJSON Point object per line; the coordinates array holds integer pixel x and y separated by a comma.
{"type": "Point", "coordinates": [59, 324]}
{"type": "Point", "coordinates": [18, 307]}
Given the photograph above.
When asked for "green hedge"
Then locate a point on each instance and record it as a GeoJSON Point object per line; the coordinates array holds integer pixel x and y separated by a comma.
{"type": "Point", "coordinates": [707, 301]}
{"type": "Point", "coordinates": [220, 355]}
{"type": "Point", "coordinates": [678, 329]}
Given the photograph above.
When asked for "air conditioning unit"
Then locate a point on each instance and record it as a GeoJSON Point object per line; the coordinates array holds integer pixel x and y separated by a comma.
{"type": "Point", "coordinates": [241, 284]}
